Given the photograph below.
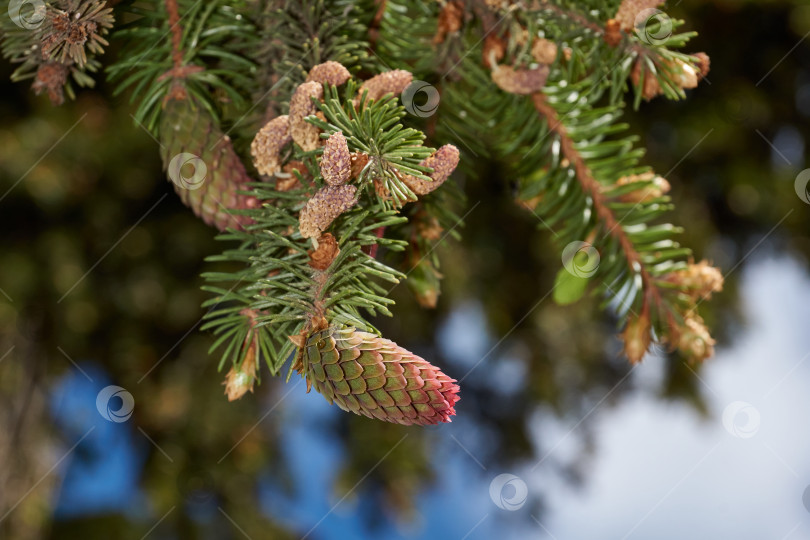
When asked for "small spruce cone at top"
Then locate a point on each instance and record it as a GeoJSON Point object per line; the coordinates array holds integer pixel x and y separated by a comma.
{"type": "Point", "coordinates": [369, 375]}
{"type": "Point", "coordinates": [443, 162]}
{"type": "Point", "coordinates": [266, 146]}
{"type": "Point", "coordinates": [330, 72]}
{"type": "Point", "coordinates": [303, 133]}
{"type": "Point", "coordinates": [520, 81]}
{"type": "Point", "coordinates": [390, 82]}
{"type": "Point", "coordinates": [322, 209]}
{"type": "Point", "coordinates": [51, 78]}
{"type": "Point", "coordinates": [217, 174]}
{"type": "Point", "coordinates": [336, 161]}
{"type": "Point", "coordinates": [629, 10]}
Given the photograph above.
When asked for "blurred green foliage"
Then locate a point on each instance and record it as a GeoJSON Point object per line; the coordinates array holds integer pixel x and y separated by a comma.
{"type": "Point", "coordinates": [98, 264]}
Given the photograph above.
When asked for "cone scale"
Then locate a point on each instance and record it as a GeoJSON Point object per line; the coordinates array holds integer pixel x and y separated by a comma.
{"type": "Point", "coordinates": [369, 375]}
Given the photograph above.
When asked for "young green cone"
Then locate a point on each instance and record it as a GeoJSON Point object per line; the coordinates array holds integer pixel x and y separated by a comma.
{"type": "Point", "coordinates": [369, 375]}
{"type": "Point", "coordinates": [201, 163]}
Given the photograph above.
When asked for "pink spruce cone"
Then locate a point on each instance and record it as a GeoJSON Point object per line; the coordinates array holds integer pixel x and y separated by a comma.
{"type": "Point", "coordinates": [369, 375]}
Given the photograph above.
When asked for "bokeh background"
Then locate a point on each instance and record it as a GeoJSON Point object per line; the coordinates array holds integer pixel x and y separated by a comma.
{"type": "Point", "coordinates": [99, 286]}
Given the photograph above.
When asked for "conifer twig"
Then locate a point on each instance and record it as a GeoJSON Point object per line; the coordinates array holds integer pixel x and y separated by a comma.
{"type": "Point", "coordinates": [593, 189]}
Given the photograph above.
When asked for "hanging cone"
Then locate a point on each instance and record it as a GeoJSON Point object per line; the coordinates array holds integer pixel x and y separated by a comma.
{"type": "Point", "coordinates": [201, 163]}
{"type": "Point", "coordinates": [369, 375]}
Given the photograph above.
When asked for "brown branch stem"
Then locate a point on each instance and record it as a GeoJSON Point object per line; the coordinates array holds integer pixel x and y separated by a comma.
{"type": "Point", "coordinates": [592, 188]}
{"type": "Point", "coordinates": [177, 32]}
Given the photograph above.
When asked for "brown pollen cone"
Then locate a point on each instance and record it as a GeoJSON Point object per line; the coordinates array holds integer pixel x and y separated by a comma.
{"type": "Point", "coordinates": [324, 207]}
{"type": "Point", "coordinates": [336, 161]}
{"type": "Point", "coordinates": [520, 81]}
{"type": "Point", "coordinates": [266, 146]}
{"type": "Point", "coordinates": [305, 135]}
{"type": "Point", "coordinates": [389, 82]}
{"type": "Point", "coordinates": [330, 72]}
{"type": "Point", "coordinates": [651, 87]}
{"type": "Point", "coordinates": [450, 18]}
{"type": "Point", "coordinates": [629, 10]}
{"type": "Point", "coordinates": [544, 50]}
{"type": "Point", "coordinates": [443, 162]}
{"type": "Point", "coordinates": [327, 251]}
{"type": "Point", "coordinates": [359, 162]}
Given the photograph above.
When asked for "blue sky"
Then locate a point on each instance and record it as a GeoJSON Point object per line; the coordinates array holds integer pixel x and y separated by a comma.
{"type": "Point", "coordinates": [659, 470]}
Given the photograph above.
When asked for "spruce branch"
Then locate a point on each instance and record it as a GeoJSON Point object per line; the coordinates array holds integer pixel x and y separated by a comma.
{"type": "Point", "coordinates": [55, 43]}
{"type": "Point", "coordinates": [352, 199]}
{"type": "Point", "coordinates": [594, 190]}
{"type": "Point", "coordinates": [311, 248]}
{"type": "Point", "coordinates": [576, 170]}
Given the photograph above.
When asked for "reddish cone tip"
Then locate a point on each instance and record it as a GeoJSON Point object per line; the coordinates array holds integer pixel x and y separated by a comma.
{"type": "Point", "coordinates": [369, 375]}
